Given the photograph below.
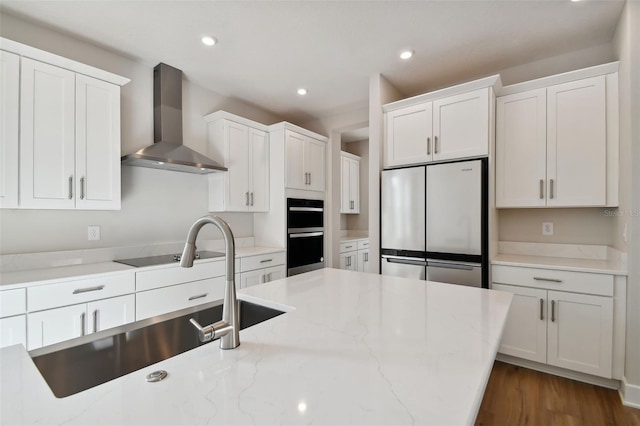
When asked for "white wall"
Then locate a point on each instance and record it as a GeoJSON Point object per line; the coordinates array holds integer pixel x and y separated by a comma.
{"type": "Point", "coordinates": [628, 52]}
{"type": "Point", "coordinates": [157, 206]}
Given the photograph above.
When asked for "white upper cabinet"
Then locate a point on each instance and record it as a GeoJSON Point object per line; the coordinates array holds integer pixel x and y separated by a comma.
{"type": "Point", "coordinates": [447, 124]}
{"type": "Point", "coordinates": [68, 149]}
{"type": "Point", "coordinates": [409, 134]}
{"type": "Point", "coordinates": [243, 147]}
{"type": "Point", "coordinates": [305, 162]}
{"type": "Point", "coordinates": [461, 126]}
{"type": "Point", "coordinates": [9, 133]}
{"type": "Point", "coordinates": [556, 146]}
{"type": "Point", "coordinates": [350, 183]}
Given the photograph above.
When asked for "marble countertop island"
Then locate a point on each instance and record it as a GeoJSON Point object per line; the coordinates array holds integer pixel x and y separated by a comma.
{"type": "Point", "coordinates": [353, 348]}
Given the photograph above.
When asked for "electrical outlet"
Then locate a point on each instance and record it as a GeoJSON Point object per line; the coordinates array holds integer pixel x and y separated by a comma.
{"type": "Point", "coordinates": [94, 232]}
{"type": "Point", "coordinates": [547, 228]}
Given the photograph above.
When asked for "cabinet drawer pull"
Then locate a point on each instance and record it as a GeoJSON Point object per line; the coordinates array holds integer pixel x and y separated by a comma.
{"type": "Point", "coordinates": [82, 188]}
{"type": "Point", "coordinates": [428, 146]}
{"type": "Point", "coordinates": [88, 289]}
{"type": "Point", "coordinates": [200, 296]}
{"type": "Point", "coordinates": [550, 188]}
{"type": "Point", "coordinates": [70, 187]}
{"type": "Point", "coordinates": [541, 189]}
{"type": "Point", "coordinates": [541, 309]}
{"type": "Point", "coordinates": [83, 330]}
{"type": "Point", "coordinates": [95, 321]}
{"type": "Point", "coordinates": [348, 247]}
{"type": "Point", "coordinates": [553, 313]}
{"type": "Point", "coordinates": [553, 280]}
{"type": "Point", "coordinates": [435, 144]}
{"type": "Point", "coordinates": [266, 260]}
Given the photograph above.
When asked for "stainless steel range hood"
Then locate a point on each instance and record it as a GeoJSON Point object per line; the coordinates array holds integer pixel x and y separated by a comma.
{"type": "Point", "coordinates": [168, 152]}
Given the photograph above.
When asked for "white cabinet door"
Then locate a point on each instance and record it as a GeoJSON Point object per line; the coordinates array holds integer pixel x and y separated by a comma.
{"type": "Point", "coordinates": [258, 170]}
{"type": "Point", "coordinates": [350, 185]}
{"type": "Point", "coordinates": [109, 313]}
{"type": "Point", "coordinates": [576, 145]}
{"type": "Point", "coordinates": [314, 164]}
{"type": "Point", "coordinates": [97, 143]}
{"type": "Point", "coordinates": [349, 261]}
{"type": "Point", "coordinates": [409, 134]}
{"type": "Point", "coordinates": [47, 136]}
{"type": "Point", "coordinates": [521, 149]}
{"type": "Point", "coordinates": [461, 125]}
{"type": "Point", "coordinates": [251, 278]}
{"type": "Point", "coordinates": [363, 260]}
{"type": "Point", "coordinates": [9, 128]}
{"type": "Point", "coordinates": [354, 185]}
{"type": "Point", "coordinates": [56, 325]}
{"type": "Point", "coordinates": [580, 334]}
{"type": "Point", "coordinates": [525, 333]}
{"type": "Point", "coordinates": [237, 161]}
{"type": "Point", "coordinates": [274, 273]}
{"type": "Point", "coordinates": [296, 177]}
{"type": "Point", "coordinates": [13, 331]}
{"type": "Point", "coordinates": [345, 195]}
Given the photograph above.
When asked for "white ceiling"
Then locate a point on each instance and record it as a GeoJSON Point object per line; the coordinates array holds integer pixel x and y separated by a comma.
{"type": "Point", "coordinates": [267, 49]}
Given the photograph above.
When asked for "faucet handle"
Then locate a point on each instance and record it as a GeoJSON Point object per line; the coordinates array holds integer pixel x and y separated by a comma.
{"type": "Point", "coordinates": [204, 333]}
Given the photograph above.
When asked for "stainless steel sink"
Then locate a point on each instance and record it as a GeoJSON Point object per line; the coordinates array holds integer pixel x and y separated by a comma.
{"type": "Point", "coordinates": [79, 364]}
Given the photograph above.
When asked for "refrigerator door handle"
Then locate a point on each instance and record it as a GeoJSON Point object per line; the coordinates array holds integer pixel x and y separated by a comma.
{"type": "Point", "coordinates": [461, 266]}
{"type": "Point", "coordinates": [405, 260]}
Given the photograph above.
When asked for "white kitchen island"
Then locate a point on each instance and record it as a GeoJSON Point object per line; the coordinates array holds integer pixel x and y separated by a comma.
{"type": "Point", "coordinates": [353, 348]}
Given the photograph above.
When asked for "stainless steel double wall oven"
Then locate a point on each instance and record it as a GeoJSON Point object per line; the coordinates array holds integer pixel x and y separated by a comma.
{"type": "Point", "coordinates": [305, 235]}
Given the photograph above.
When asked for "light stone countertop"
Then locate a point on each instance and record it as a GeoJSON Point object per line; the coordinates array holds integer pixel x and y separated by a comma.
{"type": "Point", "coordinates": [24, 278]}
{"type": "Point", "coordinates": [354, 348]}
{"type": "Point", "coordinates": [349, 238]}
{"type": "Point", "coordinates": [598, 266]}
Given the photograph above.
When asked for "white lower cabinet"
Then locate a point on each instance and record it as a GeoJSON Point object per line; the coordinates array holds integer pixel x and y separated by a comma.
{"type": "Point", "coordinates": [262, 269]}
{"type": "Point", "coordinates": [13, 331]}
{"type": "Point", "coordinates": [559, 328]}
{"type": "Point", "coordinates": [363, 260]}
{"type": "Point", "coordinates": [56, 325]}
{"type": "Point", "coordinates": [354, 255]}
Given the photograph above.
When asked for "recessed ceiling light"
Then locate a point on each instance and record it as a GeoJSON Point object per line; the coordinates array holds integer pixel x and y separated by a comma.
{"type": "Point", "coordinates": [302, 91]}
{"type": "Point", "coordinates": [208, 40]}
{"type": "Point", "coordinates": [575, 0]}
{"type": "Point", "coordinates": [406, 54]}
{"type": "Point", "coordinates": [160, 163]}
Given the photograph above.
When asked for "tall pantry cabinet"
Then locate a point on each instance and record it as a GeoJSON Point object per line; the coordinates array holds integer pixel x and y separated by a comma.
{"type": "Point", "coordinates": [67, 155]}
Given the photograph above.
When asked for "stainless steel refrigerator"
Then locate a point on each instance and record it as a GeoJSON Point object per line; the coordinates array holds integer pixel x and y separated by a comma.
{"type": "Point", "coordinates": [434, 222]}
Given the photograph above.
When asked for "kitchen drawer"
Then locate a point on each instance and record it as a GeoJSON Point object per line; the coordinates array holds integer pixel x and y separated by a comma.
{"type": "Point", "coordinates": [363, 244]}
{"type": "Point", "coordinates": [80, 291]}
{"type": "Point", "coordinates": [347, 246]}
{"type": "Point", "coordinates": [554, 279]}
{"type": "Point", "coordinates": [168, 299]}
{"type": "Point", "coordinates": [175, 274]}
{"type": "Point", "coordinates": [262, 261]}
{"type": "Point", "coordinates": [13, 302]}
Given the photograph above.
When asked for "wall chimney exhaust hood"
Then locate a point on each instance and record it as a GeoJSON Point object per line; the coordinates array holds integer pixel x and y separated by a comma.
{"type": "Point", "coordinates": [168, 152]}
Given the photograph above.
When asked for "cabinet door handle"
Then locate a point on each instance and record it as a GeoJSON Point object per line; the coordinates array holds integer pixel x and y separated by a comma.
{"type": "Point", "coordinates": [435, 144]}
{"type": "Point", "coordinates": [83, 318]}
{"type": "Point", "coordinates": [541, 309]}
{"type": "Point", "coordinates": [268, 277]}
{"type": "Point", "coordinates": [553, 280]}
{"type": "Point", "coordinates": [88, 289]}
{"type": "Point", "coordinates": [366, 257]}
{"type": "Point", "coordinates": [199, 296]}
{"type": "Point", "coordinates": [428, 146]}
{"type": "Point", "coordinates": [95, 321]}
{"type": "Point", "coordinates": [550, 188]}
{"type": "Point", "coordinates": [553, 313]}
{"type": "Point", "coordinates": [309, 178]}
{"type": "Point", "coordinates": [82, 188]}
{"type": "Point", "coordinates": [246, 198]}
{"type": "Point", "coordinates": [70, 187]}
{"type": "Point", "coordinates": [541, 189]}
{"type": "Point", "coordinates": [252, 198]}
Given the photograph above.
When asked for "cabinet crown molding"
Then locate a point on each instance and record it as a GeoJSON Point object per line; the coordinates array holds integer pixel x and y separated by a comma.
{"type": "Point", "coordinates": [552, 80]}
{"type": "Point", "coordinates": [60, 61]}
{"type": "Point", "coordinates": [491, 81]}
{"type": "Point", "coordinates": [284, 125]}
{"type": "Point", "coordinates": [350, 155]}
{"type": "Point", "coordinates": [224, 115]}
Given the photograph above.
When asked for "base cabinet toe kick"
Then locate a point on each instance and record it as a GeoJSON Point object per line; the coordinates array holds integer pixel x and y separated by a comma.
{"type": "Point", "coordinates": [564, 319]}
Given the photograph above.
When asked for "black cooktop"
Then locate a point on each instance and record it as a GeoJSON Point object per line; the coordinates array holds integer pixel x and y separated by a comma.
{"type": "Point", "coordinates": [166, 258]}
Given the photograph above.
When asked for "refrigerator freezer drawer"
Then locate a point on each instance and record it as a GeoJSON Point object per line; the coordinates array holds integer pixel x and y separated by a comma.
{"type": "Point", "coordinates": [407, 268]}
{"type": "Point", "coordinates": [469, 274]}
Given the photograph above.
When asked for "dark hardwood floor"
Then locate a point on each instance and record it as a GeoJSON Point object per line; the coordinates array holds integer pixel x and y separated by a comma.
{"type": "Point", "coordinates": [519, 396]}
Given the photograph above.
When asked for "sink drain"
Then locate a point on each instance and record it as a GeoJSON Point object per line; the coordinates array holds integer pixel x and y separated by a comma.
{"type": "Point", "coordinates": [156, 376]}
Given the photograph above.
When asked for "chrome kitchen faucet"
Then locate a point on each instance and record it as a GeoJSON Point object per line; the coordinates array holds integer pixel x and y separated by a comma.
{"type": "Point", "coordinates": [228, 329]}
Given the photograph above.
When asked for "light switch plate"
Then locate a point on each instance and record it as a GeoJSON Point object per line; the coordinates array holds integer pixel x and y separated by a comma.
{"type": "Point", "coordinates": [547, 228]}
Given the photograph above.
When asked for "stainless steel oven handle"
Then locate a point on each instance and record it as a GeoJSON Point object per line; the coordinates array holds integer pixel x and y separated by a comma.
{"type": "Point", "coordinates": [308, 229]}
{"type": "Point", "coordinates": [306, 209]}
{"type": "Point", "coordinates": [306, 234]}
